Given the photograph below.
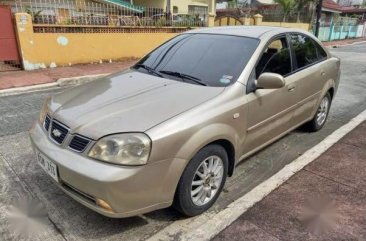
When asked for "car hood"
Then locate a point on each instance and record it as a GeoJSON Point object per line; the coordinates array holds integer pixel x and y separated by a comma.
{"type": "Point", "coordinates": [126, 102]}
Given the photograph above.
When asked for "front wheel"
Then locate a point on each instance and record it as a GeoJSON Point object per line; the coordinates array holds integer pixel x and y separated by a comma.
{"type": "Point", "coordinates": [321, 114]}
{"type": "Point", "coordinates": [202, 181]}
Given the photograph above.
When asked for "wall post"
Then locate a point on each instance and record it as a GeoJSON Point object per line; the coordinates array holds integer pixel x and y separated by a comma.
{"type": "Point", "coordinates": [331, 30]}
{"type": "Point", "coordinates": [24, 32]}
{"type": "Point", "coordinates": [211, 13]}
{"type": "Point", "coordinates": [258, 19]}
{"type": "Point", "coordinates": [340, 32]}
{"type": "Point", "coordinates": [211, 20]}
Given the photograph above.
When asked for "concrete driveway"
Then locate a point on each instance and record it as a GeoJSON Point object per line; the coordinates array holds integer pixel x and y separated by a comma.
{"type": "Point", "coordinates": [20, 177]}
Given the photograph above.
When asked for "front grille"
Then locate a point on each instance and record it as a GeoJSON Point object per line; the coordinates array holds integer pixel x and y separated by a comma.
{"type": "Point", "coordinates": [47, 122]}
{"type": "Point", "coordinates": [79, 143]}
{"type": "Point", "coordinates": [58, 132]}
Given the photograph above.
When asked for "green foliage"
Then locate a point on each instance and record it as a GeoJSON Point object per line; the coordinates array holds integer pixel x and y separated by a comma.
{"type": "Point", "coordinates": [34, 15]}
{"type": "Point", "coordinates": [287, 7]}
{"type": "Point", "coordinates": [161, 22]}
{"type": "Point", "coordinates": [300, 4]}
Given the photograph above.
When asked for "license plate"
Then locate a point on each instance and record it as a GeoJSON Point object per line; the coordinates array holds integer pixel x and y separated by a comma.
{"type": "Point", "coordinates": [47, 165]}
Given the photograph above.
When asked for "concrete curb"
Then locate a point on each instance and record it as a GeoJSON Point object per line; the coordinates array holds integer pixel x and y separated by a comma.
{"type": "Point", "coordinates": [79, 80]}
{"type": "Point", "coordinates": [342, 45]}
{"type": "Point", "coordinates": [62, 82]}
{"type": "Point", "coordinates": [208, 225]}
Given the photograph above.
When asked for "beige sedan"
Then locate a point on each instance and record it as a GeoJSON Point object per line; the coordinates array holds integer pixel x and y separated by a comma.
{"type": "Point", "coordinates": [172, 128]}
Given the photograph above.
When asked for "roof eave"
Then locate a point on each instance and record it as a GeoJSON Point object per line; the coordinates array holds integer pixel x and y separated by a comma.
{"type": "Point", "coordinates": [330, 10]}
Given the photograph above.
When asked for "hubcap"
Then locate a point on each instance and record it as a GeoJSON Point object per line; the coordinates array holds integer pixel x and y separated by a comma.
{"type": "Point", "coordinates": [321, 115]}
{"type": "Point", "coordinates": [207, 180]}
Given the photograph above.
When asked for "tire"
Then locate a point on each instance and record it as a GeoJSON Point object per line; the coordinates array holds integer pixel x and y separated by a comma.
{"type": "Point", "coordinates": [321, 114]}
{"type": "Point", "coordinates": [211, 156]}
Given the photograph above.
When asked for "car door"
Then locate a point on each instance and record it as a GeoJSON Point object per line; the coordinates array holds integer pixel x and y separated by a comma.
{"type": "Point", "coordinates": [270, 111]}
{"type": "Point", "coordinates": [311, 71]}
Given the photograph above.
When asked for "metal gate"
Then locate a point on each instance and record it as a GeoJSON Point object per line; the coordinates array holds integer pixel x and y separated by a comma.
{"type": "Point", "coordinates": [9, 55]}
{"type": "Point", "coordinates": [227, 21]}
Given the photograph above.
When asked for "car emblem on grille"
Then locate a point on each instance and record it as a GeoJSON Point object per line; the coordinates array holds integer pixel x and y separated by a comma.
{"type": "Point", "coordinates": [56, 133]}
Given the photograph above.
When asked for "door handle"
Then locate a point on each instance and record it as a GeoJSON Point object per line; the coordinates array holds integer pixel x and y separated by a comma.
{"type": "Point", "coordinates": [291, 88]}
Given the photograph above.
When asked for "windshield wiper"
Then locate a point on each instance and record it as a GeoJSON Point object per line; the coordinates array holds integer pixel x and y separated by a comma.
{"type": "Point", "coordinates": [183, 76]}
{"type": "Point", "coordinates": [149, 69]}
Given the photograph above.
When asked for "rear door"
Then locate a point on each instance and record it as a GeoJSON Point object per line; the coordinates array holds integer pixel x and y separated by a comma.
{"type": "Point", "coordinates": [310, 71]}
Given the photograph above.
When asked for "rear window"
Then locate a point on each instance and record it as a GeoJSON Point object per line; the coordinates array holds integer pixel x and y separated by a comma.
{"type": "Point", "coordinates": [306, 50]}
{"type": "Point", "coordinates": [217, 60]}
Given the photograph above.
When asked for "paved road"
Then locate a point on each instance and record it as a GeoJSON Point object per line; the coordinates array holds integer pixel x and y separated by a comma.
{"type": "Point", "coordinates": [68, 220]}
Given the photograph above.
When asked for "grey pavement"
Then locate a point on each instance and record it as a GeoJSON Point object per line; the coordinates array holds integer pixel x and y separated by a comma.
{"type": "Point", "coordinates": [324, 201]}
{"type": "Point", "coordinates": [20, 176]}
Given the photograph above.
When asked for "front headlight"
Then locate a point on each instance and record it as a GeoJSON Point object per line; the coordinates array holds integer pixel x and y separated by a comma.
{"type": "Point", "coordinates": [44, 110]}
{"type": "Point", "coordinates": [125, 149]}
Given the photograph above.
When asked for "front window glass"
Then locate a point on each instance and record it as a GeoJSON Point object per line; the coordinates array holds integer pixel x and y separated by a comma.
{"type": "Point", "coordinates": [275, 59]}
{"type": "Point", "coordinates": [214, 60]}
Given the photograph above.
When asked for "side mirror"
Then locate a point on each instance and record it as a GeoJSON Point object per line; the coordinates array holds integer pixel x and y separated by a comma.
{"type": "Point", "coordinates": [270, 81]}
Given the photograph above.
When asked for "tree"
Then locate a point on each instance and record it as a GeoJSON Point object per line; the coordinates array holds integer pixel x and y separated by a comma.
{"type": "Point", "coordinates": [287, 7]}
{"type": "Point", "coordinates": [300, 4]}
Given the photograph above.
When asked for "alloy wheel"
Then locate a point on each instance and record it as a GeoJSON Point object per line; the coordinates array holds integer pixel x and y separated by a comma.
{"type": "Point", "coordinates": [322, 112]}
{"type": "Point", "coordinates": [207, 180]}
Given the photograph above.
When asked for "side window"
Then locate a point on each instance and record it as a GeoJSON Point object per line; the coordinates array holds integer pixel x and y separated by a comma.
{"type": "Point", "coordinates": [275, 59]}
{"type": "Point", "coordinates": [305, 50]}
{"type": "Point", "coordinates": [321, 52]}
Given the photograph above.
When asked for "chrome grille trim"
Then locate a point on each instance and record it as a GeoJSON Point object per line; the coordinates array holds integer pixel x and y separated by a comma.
{"type": "Point", "coordinates": [47, 123]}
{"type": "Point", "coordinates": [73, 141]}
{"type": "Point", "coordinates": [63, 129]}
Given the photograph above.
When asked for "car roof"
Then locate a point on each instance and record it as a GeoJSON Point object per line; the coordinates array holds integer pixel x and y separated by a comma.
{"type": "Point", "coordinates": [246, 31]}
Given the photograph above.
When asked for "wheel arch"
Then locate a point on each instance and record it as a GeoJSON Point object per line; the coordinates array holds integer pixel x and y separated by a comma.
{"type": "Point", "coordinates": [230, 151]}
{"type": "Point", "coordinates": [331, 92]}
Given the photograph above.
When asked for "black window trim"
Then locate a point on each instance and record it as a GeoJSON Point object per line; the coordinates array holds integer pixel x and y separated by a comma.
{"type": "Point", "coordinates": [296, 69]}
{"type": "Point", "coordinates": [253, 74]}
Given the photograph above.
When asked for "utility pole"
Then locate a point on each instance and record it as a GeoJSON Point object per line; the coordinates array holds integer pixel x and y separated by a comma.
{"type": "Point", "coordinates": [318, 16]}
{"type": "Point", "coordinates": [168, 6]}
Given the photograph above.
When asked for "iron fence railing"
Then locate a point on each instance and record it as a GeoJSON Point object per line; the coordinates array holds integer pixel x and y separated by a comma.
{"type": "Point", "coordinates": [340, 28]}
{"type": "Point", "coordinates": [270, 13]}
{"type": "Point", "coordinates": [116, 13]}
{"type": "Point", "coordinates": [276, 14]}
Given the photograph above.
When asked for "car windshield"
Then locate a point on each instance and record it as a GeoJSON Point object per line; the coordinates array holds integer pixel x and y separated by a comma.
{"type": "Point", "coordinates": [205, 59]}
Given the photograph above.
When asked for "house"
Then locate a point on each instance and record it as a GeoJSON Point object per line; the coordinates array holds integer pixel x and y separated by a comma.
{"type": "Point", "coordinates": [180, 6]}
{"type": "Point", "coordinates": [257, 3]}
{"type": "Point", "coordinates": [354, 3]}
{"type": "Point", "coordinates": [332, 9]}
{"type": "Point", "coordinates": [119, 12]}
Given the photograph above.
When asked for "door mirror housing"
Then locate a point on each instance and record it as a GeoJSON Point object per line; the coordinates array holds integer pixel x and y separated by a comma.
{"type": "Point", "coordinates": [270, 81]}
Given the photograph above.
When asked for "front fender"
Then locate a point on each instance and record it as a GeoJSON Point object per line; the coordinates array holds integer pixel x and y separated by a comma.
{"type": "Point", "coordinates": [205, 136]}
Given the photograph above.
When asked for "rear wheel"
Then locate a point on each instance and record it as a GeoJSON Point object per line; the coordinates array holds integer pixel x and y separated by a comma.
{"type": "Point", "coordinates": [321, 114]}
{"type": "Point", "coordinates": [202, 181]}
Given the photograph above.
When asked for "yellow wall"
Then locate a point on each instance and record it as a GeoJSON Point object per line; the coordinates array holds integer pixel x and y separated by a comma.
{"type": "Point", "coordinates": [150, 3]}
{"type": "Point", "coordinates": [250, 21]}
{"type": "Point", "coordinates": [43, 50]}
{"type": "Point", "coordinates": [304, 26]}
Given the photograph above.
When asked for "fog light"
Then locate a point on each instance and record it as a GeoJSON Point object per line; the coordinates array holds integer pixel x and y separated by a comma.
{"type": "Point", "coordinates": [103, 204]}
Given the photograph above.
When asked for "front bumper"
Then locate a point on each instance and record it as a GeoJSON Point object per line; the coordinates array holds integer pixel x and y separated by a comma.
{"type": "Point", "coordinates": [128, 190]}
